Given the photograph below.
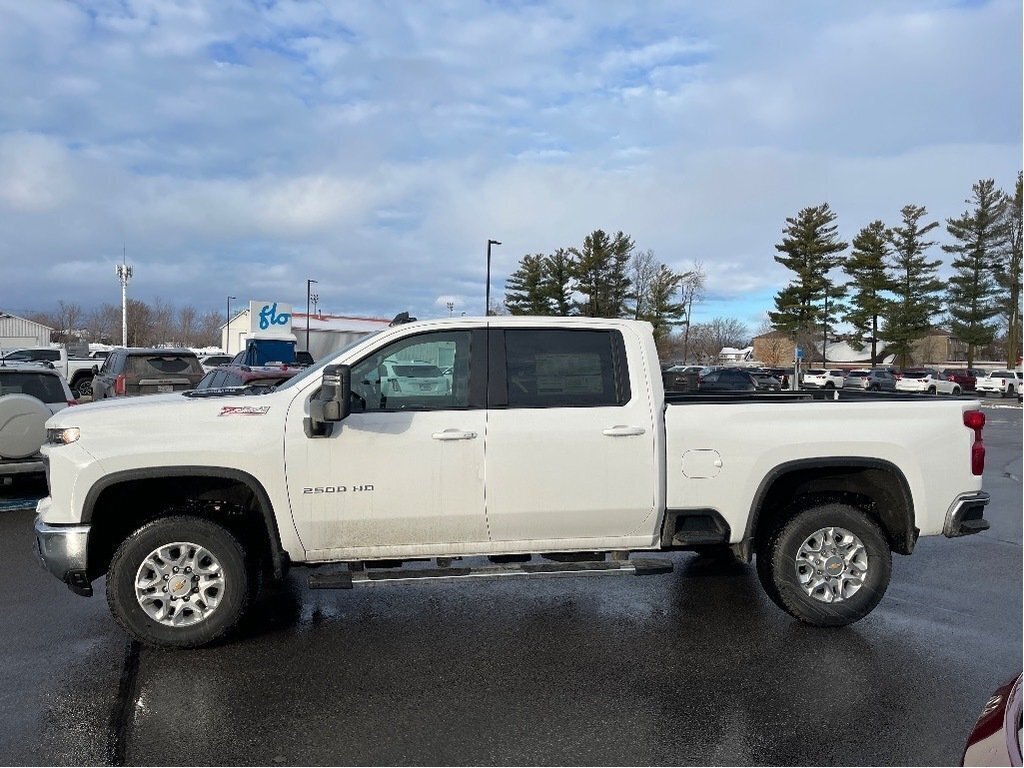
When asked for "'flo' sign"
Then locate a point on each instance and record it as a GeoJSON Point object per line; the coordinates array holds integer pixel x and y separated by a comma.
{"type": "Point", "coordinates": [270, 318]}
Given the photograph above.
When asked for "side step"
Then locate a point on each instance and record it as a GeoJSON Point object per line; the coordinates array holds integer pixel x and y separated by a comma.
{"type": "Point", "coordinates": [372, 578]}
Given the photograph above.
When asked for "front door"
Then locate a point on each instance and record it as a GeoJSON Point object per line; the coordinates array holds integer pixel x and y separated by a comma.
{"type": "Point", "coordinates": [406, 468]}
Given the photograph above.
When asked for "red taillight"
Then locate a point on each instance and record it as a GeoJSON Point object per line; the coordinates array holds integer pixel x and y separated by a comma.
{"type": "Point", "coordinates": [976, 420]}
{"type": "Point", "coordinates": [119, 387]}
{"type": "Point", "coordinates": [72, 402]}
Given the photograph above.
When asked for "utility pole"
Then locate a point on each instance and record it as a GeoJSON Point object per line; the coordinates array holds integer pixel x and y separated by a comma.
{"type": "Point", "coordinates": [227, 328]}
{"type": "Point", "coordinates": [308, 297]}
{"type": "Point", "coordinates": [124, 274]}
{"type": "Point", "coordinates": [487, 293]}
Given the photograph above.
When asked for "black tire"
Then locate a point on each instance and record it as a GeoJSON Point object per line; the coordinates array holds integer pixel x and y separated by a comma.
{"type": "Point", "coordinates": [956, 391]}
{"type": "Point", "coordinates": [829, 385]}
{"type": "Point", "coordinates": [232, 600]}
{"type": "Point", "coordinates": [875, 387]}
{"type": "Point", "coordinates": [931, 390]}
{"type": "Point", "coordinates": [82, 387]}
{"type": "Point", "coordinates": [777, 565]}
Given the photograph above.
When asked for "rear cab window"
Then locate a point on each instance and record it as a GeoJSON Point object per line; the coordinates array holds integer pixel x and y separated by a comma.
{"type": "Point", "coordinates": [164, 365]}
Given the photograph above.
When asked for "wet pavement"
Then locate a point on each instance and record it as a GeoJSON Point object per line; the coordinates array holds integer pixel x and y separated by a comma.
{"type": "Point", "coordinates": [696, 667]}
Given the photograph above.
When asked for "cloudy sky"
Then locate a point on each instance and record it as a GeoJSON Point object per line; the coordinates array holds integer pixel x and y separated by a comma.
{"type": "Point", "coordinates": [242, 146]}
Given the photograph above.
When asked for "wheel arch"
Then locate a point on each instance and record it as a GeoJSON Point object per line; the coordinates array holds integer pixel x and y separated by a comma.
{"type": "Point", "coordinates": [232, 497]}
{"type": "Point", "coordinates": [876, 485]}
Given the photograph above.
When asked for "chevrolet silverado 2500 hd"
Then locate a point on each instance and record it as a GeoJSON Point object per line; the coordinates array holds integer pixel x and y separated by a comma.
{"type": "Point", "coordinates": [551, 450]}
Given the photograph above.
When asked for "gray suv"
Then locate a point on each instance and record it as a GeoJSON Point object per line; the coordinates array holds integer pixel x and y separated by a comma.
{"type": "Point", "coordinates": [135, 371]}
{"type": "Point", "coordinates": [875, 380]}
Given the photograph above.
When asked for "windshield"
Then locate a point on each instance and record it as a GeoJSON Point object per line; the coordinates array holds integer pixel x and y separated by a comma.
{"type": "Point", "coordinates": [315, 370]}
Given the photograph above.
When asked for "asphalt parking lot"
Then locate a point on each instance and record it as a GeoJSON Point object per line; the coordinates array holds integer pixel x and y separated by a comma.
{"type": "Point", "coordinates": [695, 668]}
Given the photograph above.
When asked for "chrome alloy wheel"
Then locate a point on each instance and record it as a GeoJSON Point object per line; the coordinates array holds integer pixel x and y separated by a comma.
{"type": "Point", "coordinates": [831, 565]}
{"type": "Point", "coordinates": [179, 584]}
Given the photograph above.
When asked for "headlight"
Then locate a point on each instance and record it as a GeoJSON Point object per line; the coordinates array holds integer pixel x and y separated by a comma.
{"type": "Point", "coordinates": [63, 436]}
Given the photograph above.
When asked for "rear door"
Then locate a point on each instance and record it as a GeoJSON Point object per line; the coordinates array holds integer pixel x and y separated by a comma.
{"type": "Point", "coordinates": [158, 373]}
{"type": "Point", "coordinates": [571, 442]}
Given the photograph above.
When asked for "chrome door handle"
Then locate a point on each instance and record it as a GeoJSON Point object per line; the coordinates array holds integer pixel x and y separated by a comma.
{"type": "Point", "coordinates": [454, 434]}
{"type": "Point", "coordinates": [620, 430]}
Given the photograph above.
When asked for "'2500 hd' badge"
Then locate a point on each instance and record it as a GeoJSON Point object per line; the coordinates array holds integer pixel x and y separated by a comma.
{"type": "Point", "coordinates": [243, 410]}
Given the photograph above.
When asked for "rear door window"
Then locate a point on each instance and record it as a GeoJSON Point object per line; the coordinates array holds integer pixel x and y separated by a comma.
{"type": "Point", "coordinates": [549, 368]}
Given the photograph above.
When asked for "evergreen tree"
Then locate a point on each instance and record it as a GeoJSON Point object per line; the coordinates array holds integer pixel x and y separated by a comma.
{"type": "Point", "coordinates": [869, 283]}
{"type": "Point", "coordinates": [917, 292]}
{"type": "Point", "coordinates": [600, 273]}
{"type": "Point", "coordinates": [558, 272]}
{"type": "Point", "coordinates": [658, 307]}
{"type": "Point", "coordinates": [811, 248]}
{"type": "Point", "coordinates": [1008, 275]}
{"type": "Point", "coordinates": [525, 292]}
{"type": "Point", "coordinates": [979, 244]}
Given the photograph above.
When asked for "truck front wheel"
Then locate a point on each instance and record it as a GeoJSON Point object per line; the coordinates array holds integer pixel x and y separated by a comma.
{"type": "Point", "coordinates": [82, 387]}
{"type": "Point", "coordinates": [179, 582]}
{"type": "Point", "coordinates": [829, 565]}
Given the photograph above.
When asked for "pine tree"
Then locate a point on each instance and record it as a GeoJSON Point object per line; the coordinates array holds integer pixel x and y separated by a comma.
{"type": "Point", "coordinates": [525, 292]}
{"type": "Point", "coordinates": [1008, 275]}
{"type": "Point", "coordinates": [917, 292]}
{"type": "Point", "coordinates": [600, 273]}
{"type": "Point", "coordinates": [658, 307]}
{"type": "Point", "coordinates": [979, 244]}
{"type": "Point", "coordinates": [558, 272]}
{"type": "Point", "coordinates": [869, 282]}
{"type": "Point", "coordinates": [811, 248]}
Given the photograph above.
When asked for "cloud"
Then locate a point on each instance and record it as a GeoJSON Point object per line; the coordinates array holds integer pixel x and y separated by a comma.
{"type": "Point", "coordinates": [245, 147]}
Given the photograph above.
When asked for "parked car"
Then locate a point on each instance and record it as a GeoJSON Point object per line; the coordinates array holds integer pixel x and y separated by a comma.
{"type": "Point", "coordinates": [29, 394]}
{"type": "Point", "coordinates": [232, 378]}
{"type": "Point", "coordinates": [926, 380]}
{"type": "Point", "coordinates": [765, 381]}
{"type": "Point", "coordinates": [139, 371]}
{"type": "Point", "coordinates": [874, 380]}
{"type": "Point", "coordinates": [727, 380]}
{"type": "Point", "coordinates": [209, 362]}
{"type": "Point", "coordinates": [965, 377]}
{"type": "Point", "coordinates": [822, 378]}
{"type": "Point", "coordinates": [1001, 382]}
{"type": "Point", "coordinates": [412, 379]}
{"type": "Point", "coordinates": [78, 372]}
{"type": "Point", "coordinates": [683, 378]}
{"type": "Point", "coordinates": [996, 738]}
{"type": "Point", "coordinates": [782, 374]}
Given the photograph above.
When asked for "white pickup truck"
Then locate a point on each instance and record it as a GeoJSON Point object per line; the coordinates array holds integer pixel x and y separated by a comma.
{"type": "Point", "coordinates": [78, 372]}
{"type": "Point", "coordinates": [553, 451]}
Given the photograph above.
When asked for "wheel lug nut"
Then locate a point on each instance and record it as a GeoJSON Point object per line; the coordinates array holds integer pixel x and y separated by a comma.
{"type": "Point", "coordinates": [165, 589]}
{"type": "Point", "coordinates": [166, 577]}
{"type": "Point", "coordinates": [188, 570]}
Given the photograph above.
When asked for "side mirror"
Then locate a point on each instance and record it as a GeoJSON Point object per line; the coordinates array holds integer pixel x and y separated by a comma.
{"type": "Point", "coordinates": [95, 370]}
{"type": "Point", "coordinates": [334, 402]}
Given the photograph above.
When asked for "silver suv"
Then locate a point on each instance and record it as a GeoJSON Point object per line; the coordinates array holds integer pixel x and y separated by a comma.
{"type": "Point", "coordinates": [876, 380]}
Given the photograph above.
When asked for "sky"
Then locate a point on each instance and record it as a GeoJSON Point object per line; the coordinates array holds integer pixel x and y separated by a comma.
{"type": "Point", "coordinates": [241, 147]}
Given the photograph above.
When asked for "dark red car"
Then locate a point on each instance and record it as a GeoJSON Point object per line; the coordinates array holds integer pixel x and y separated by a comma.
{"type": "Point", "coordinates": [965, 377]}
{"type": "Point", "coordinates": [995, 739]}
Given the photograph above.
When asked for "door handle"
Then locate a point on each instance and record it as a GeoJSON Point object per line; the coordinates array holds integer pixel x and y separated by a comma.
{"type": "Point", "coordinates": [620, 430]}
{"type": "Point", "coordinates": [454, 434]}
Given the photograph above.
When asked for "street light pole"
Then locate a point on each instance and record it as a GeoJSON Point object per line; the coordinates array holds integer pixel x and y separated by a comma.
{"type": "Point", "coordinates": [487, 293]}
{"type": "Point", "coordinates": [308, 284]}
{"type": "Point", "coordinates": [227, 328]}
{"type": "Point", "coordinates": [824, 333]}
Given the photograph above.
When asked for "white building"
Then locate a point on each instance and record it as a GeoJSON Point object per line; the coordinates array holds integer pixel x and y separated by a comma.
{"type": "Point", "coordinates": [326, 332]}
{"type": "Point", "coordinates": [18, 332]}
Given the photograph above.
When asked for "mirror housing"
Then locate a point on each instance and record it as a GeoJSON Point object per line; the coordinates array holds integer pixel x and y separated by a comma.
{"type": "Point", "coordinates": [334, 402]}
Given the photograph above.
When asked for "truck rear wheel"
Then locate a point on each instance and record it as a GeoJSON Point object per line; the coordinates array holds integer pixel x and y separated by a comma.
{"type": "Point", "coordinates": [179, 582]}
{"type": "Point", "coordinates": [829, 565]}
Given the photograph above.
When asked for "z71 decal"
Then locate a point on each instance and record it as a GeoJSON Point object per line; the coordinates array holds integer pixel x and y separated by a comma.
{"type": "Point", "coordinates": [244, 410]}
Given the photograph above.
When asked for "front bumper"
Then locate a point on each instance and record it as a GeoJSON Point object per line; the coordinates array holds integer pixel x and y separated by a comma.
{"type": "Point", "coordinates": [63, 551]}
{"type": "Point", "coordinates": [966, 515]}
